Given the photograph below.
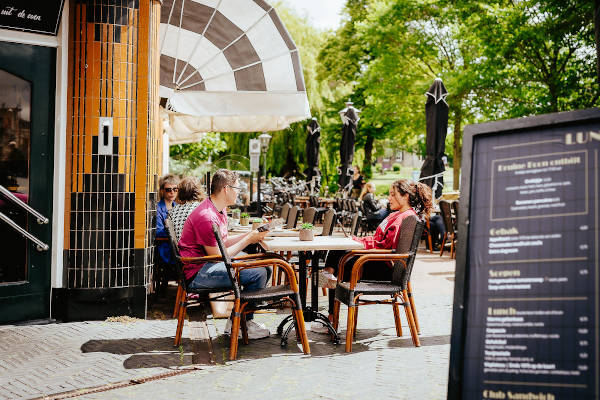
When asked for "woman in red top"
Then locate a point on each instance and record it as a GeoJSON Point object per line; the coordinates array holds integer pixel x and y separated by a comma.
{"type": "Point", "coordinates": [406, 198]}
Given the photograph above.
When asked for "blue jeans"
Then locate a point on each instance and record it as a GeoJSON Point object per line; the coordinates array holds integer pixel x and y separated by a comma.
{"type": "Point", "coordinates": [214, 275]}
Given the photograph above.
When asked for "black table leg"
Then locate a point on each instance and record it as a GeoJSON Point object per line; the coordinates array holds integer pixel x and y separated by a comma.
{"type": "Point", "coordinates": [310, 312]}
{"type": "Point", "coordinates": [302, 258]}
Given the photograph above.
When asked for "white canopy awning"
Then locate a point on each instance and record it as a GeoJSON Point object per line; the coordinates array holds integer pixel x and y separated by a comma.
{"type": "Point", "coordinates": [228, 66]}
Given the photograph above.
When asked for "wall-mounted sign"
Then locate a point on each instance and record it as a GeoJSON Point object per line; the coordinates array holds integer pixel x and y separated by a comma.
{"type": "Point", "coordinates": [254, 146]}
{"type": "Point", "coordinates": [254, 162]}
{"type": "Point", "coordinates": [31, 15]}
{"type": "Point", "coordinates": [527, 295]}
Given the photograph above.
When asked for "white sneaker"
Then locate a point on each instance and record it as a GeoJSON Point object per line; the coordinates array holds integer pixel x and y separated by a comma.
{"type": "Point", "coordinates": [256, 330]}
{"type": "Point", "coordinates": [326, 279]}
{"type": "Point", "coordinates": [318, 327]}
{"type": "Point", "coordinates": [228, 329]}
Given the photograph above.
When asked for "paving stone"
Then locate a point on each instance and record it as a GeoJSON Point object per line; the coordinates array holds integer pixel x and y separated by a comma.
{"type": "Point", "coordinates": [48, 359]}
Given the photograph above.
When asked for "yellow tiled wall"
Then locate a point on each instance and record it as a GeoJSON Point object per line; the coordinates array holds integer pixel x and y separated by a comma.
{"type": "Point", "coordinates": [110, 198]}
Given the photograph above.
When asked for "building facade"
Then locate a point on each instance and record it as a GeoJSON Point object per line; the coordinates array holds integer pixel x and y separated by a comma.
{"type": "Point", "coordinates": [81, 143]}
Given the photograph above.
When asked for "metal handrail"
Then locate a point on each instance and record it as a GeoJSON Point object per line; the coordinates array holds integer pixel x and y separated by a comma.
{"type": "Point", "coordinates": [40, 218]}
{"type": "Point", "coordinates": [41, 246]}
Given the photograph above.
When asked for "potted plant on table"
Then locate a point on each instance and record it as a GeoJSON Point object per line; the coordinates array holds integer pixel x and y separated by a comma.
{"type": "Point", "coordinates": [306, 232]}
{"type": "Point", "coordinates": [256, 222]}
{"type": "Point", "coordinates": [244, 219]}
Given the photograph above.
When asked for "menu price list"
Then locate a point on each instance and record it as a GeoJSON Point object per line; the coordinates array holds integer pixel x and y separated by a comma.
{"type": "Point", "coordinates": [531, 321]}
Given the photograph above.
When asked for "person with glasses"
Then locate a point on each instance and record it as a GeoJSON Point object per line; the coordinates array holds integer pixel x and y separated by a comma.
{"type": "Point", "coordinates": [198, 240]}
{"type": "Point", "coordinates": [167, 193]}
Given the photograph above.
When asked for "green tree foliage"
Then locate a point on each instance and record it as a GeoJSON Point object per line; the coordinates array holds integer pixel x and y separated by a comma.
{"type": "Point", "coordinates": [498, 59]}
{"type": "Point", "coordinates": [190, 156]}
{"type": "Point", "coordinates": [541, 54]}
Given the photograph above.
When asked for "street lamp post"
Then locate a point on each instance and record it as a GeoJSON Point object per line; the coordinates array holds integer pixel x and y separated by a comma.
{"type": "Point", "coordinates": [265, 139]}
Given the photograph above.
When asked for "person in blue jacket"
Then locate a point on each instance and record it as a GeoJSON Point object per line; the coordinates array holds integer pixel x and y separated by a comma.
{"type": "Point", "coordinates": [168, 193]}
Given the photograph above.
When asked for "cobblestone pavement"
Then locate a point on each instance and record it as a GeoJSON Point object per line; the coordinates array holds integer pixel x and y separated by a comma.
{"type": "Point", "coordinates": [48, 359]}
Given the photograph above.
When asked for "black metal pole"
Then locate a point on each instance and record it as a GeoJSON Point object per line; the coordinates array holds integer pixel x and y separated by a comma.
{"type": "Point", "coordinates": [208, 183]}
{"type": "Point", "coordinates": [251, 186]}
{"type": "Point", "coordinates": [258, 207]}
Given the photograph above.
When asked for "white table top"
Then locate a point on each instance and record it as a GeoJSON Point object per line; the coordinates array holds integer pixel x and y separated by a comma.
{"type": "Point", "coordinates": [320, 243]}
{"type": "Point", "coordinates": [274, 232]}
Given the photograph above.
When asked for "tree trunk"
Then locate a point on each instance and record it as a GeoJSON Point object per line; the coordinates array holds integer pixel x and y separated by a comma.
{"type": "Point", "coordinates": [457, 147]}
{"type": "Point", "coordinates": [597, 36]}
{"type": "Point", "coordinates": [368, 154]}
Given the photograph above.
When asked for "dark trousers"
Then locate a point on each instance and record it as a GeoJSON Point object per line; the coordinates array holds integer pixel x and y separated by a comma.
{"type": "Point", "coordinates": [438, 230]}
{"type": "Point", "coordinates": [372, 270]}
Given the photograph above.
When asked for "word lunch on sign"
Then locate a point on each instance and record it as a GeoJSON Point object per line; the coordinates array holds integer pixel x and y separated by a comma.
{"type": "Point", "coordinates": [530, 295]}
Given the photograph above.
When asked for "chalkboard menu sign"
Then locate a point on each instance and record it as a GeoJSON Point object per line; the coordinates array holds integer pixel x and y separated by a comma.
{"type": "Point", "coordinates": [31, 15]}
{"type": "Point", "coordinates": [527, 295]}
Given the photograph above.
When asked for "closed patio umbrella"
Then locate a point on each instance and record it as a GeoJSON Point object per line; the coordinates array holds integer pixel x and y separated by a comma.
{"type": "Point", "coordinates": [436, 114]}
{"type": "Point", "coordinates": [350, 120]}
{"type": "Point", "coordinates": [228, 66]}
{"type": "Point", "coordinates": [313, 143]}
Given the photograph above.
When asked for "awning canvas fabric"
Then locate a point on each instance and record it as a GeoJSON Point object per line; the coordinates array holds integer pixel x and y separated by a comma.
{"type": "Point", "coordinates": [227, 66]}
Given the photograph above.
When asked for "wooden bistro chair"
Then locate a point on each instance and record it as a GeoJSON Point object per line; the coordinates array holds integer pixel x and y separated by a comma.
{"type": "Point", "coordinates": [160, 272]}
{"type": "Point", "coordinates": [450, 236]}
{"type": "Point", "coordinates": [455, 207]}
{"type": "Point", "coordinates": [350, 293]}
{"type": "Point", "coordinates": [285, 209]}
{"type": "Point", "coordinates": [192, 297]}
{"type": "Point", "coordinates": [245, 303]}
{"type": "Point", "coordinates": [314, 202]}
{"type": "Point", "coordinates": [355, 224]}
{"type": "Point", "coordinates": [328, 222]}
{"type": "Point", "coordinates": [187, 297]}
{"type": "Point", "coordinates": [308, 216]}
{"type": "Point", "coordinates": [292, 217]}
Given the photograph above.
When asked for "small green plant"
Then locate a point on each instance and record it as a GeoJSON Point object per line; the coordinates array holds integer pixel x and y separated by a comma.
{"type": "Point", "coordinates": [244, 215]}
{"type": "Point", "coordinates": [396, 167]}
{"type": "Point", "coordinates": [257, 220]}
{"type": "Point", "coordinates": [379, 168]}
{"type": "Point", "coordinates": [306, 225]}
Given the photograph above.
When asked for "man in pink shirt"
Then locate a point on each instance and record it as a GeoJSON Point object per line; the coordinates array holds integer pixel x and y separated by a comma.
{"type": "Point", "coordinates": [197, 240]}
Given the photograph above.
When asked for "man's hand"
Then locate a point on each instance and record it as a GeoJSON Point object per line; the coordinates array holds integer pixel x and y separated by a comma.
{"type": "Point", "coordinates": [256, 236]}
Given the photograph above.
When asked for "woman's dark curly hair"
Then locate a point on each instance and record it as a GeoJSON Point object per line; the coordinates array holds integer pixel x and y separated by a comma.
{"type": "Point", "coordinates": [189, 190]}
{"type": "Point", "coordinates": [419, 195]}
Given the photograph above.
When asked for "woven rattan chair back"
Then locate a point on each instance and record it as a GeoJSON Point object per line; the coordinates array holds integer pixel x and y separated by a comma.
{"type": "Point", "coordinates": [413, 252]}
{"type": "Point", "coordinates": [175, 249]}
{"type": "Point", "coordinates": [355, 223]}
{"type": "Point", "coordinates": [308, 216]}
{"type": "Point", "coordinates": [285, 211]}
{"type": "Point", "coordinates": [346, 204]}
{"type": "Point", "coordinates": [292, 218]}
{"type": "Point", "coordinates": [406, 245]}
{"type": "Point", "coordinates": [446, 213]}
{"type": "Point", "coordinates": [313, 201]}
{"type": "Point", "coordinates": [339, 204]}
{"type": "Point", "coordinates": [353, 207]}
{"type": "Point", "coordinates": [455, 205]}
{"type": "Point", "coordinates": [328, 222]}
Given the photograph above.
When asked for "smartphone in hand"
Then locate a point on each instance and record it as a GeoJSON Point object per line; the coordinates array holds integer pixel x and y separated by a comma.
{"type": "Point", "coordinates": [263, 228]}
{"type": "Point", "coordinates": [270, 225]}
